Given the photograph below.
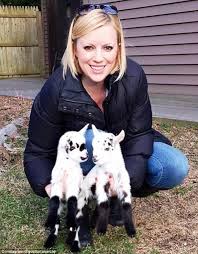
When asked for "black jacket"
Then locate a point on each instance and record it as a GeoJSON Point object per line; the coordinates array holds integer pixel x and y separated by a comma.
{"type": "Point", "coordinates": [64, 105]}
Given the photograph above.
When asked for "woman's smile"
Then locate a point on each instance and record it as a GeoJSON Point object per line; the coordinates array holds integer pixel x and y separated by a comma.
{"type": "Point", "coordinates": [97, 68]}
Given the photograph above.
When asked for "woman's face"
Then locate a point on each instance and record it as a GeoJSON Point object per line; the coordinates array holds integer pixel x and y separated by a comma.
{"type": "Point", "coordinates": [97, 53]}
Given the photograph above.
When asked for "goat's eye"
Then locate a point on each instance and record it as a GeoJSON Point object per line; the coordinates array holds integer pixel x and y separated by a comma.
{"type": "Point", "coordinates": [82, 147]}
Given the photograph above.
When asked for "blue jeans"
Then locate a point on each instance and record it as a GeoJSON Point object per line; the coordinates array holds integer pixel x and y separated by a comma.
{"type": "Point", "coordinates": [167, 167]}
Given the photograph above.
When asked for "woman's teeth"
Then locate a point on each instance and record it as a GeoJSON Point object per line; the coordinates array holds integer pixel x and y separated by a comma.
{"type": "Point", "coordinates": [97, 68]}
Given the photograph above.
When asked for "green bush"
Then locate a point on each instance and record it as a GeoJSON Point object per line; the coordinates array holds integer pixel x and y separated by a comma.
{"type": "Point", "coordinates": [20, 2]}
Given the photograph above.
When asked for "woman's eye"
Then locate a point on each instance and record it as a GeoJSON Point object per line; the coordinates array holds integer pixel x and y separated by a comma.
{"type": "Point", "coordinates": [88, 48]}
{"type": "Point", "coordinates": [108, 48]}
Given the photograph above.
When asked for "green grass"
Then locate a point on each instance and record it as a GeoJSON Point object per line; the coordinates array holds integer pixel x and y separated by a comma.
{"type": "Point", "coordinates": [22, 213]}
{"type": "Point", "coordinates": [167, 123]}
{"type": "Point", "coordinates": [154, 251]}
{"type": "Point", "coordinates": [22, 216]}
{"type": "Point", "coordinates": [182, 190]}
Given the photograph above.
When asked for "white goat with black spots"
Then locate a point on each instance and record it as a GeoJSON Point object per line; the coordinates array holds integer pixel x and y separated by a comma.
{"type": "Point", "coordinates": [109, 162]}
{"type": "Point", "coordinates": [67, 177]}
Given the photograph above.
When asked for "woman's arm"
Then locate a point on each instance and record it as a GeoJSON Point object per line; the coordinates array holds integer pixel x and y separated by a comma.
{"type": "Point", "coordinates": [138, 145]}
{"type": "Point", "coordinates": [45, 129]}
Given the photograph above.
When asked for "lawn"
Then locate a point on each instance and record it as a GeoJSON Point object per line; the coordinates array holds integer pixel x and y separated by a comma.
{"type": "Point", "coordinates": [166, 222]}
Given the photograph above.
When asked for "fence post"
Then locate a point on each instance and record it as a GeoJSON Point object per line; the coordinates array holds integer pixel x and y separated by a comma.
{"type": "Point", "coordinates": [40, 42]}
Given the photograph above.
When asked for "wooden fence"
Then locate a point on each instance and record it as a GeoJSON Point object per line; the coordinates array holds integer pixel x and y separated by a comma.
{"type": "Point", "coordinates": [21, 50]}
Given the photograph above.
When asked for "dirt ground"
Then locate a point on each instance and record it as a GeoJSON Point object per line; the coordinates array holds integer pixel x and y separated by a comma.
{"type": "Point", "coordinates": [12, 108]}
{"type": "Point", "coordinates": [167, 221]}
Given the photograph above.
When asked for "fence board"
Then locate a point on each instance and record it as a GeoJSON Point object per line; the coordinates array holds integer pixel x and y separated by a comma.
{"type": "Point", "coordinates": [20, 47]}
{"type": "Point", "coordinates": [18, 11]}
{"type": "Point", "coordinates": [18, 32]}
{"type": "Point", "coordinates": [19, 61]}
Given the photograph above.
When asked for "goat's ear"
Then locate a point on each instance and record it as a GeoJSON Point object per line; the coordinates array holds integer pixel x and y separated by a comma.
{"type": "Point", "coordinates": [83, 130]}
{"type": "Point", "coordinates": [95, 131]}
{"type": "Point", "coordinates": [120, 136]}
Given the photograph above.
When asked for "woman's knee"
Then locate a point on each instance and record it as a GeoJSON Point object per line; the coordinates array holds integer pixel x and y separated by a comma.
{"type": "Point", "coordinates": [39, 189]}
{"type": "Point", "coordinates": [180, 168]}
{"type": "Point", "coordinates": [38, 173]}
{"type": "Point", "coordinates": [168, 167]}
{"type": "Point", "coordinates": [37, 184]}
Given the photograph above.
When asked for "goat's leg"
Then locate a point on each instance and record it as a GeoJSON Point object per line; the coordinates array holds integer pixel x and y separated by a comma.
{"type": "Point", "coordinates": [54, 210]}
{"type": "Point", "coordinates": [128, 222]}
{"type": "Point", "coordinates": [72, 196]}
{"type": "Point", "coordinates": [83, 234]}
{"type": "Point", "coordinates": [103, 204]}
{"type": "Point", "coordinates": [83, 237]}
{"type": "Point", "coordinates": [71, 219]}
{"type": "Point", "coordinates": [53, 221]}
{"type": "Point", "coordinates": [94, 217]}
{"type": "Point", "coordinates": [124, 194]}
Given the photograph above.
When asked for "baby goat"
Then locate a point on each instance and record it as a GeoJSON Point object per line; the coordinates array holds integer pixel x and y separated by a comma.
{"type": "Point", "coordinates": [109, 161]}
{"type": "Point", "coordinates": [66, 180]}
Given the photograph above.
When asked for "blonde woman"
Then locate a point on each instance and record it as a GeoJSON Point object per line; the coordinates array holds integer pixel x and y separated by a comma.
{"type": "Point", "coordinates": [97, 84]}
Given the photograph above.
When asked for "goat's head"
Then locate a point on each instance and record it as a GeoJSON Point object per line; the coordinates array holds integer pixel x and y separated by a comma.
{"type": "Point", "coordinates": [104, 145]}
{"type": "Point", "coordinates": [73, 144]}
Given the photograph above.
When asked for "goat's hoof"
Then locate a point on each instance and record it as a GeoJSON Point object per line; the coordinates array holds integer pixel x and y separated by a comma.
{"type": "Point", "coordinates": [47, 225]}
{"type": "Point", "coordinates": [116, 222]}
{"type": "Point", "coordinates": [101, 230]}
{"type": "Point", "coordinates": [85, 237]}
{"type": "Point", "coordinates": [85, 242]}
{"type": "Point", "coordinates": [50, 242]}
{"type": "Point", "coordinates": [70, 237]}
{"type": "Point", "coordinates": [74, 247]}
{"type": "Point", "coordinates": [50, 222]}
{"type": "Point", "coordinates": [131, 232]}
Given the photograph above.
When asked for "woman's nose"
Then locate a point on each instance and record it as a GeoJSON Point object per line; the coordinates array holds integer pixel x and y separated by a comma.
{"type": "Point", "coordinates": [98, 56]}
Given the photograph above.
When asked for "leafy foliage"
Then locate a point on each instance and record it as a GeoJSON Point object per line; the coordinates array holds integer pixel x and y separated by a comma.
{"type": "Point", "coordinates": [20, 2]}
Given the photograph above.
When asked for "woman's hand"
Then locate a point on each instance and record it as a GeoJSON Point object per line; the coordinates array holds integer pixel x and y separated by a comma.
{"type": "Point", "coordinates": [48, 189]}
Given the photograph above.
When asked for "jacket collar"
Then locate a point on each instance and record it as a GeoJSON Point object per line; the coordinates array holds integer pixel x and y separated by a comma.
{"type": "Point", "coordinates": [75, 84]}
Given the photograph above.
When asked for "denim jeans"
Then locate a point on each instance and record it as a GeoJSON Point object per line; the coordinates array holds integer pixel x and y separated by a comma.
{"type": "Point", "coordinates": [167, 167]}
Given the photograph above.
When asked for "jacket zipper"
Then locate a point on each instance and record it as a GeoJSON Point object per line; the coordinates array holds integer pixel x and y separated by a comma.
{"type": "Point", "coordinates": [106, 107]}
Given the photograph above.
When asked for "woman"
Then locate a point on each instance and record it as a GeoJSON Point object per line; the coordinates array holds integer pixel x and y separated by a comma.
{"type": "Point", "coordinates": [98, 85]}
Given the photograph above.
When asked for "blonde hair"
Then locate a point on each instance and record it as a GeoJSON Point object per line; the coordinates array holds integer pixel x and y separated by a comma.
{"type": "Point", "coordinates": [82, 25]}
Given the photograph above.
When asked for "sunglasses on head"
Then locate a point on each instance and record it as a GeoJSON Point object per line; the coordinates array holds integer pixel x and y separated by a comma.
{"type": "Point", "coordinates": [108, 9]}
